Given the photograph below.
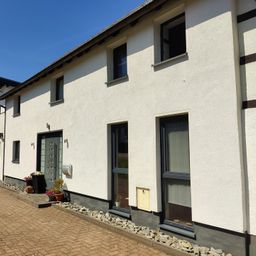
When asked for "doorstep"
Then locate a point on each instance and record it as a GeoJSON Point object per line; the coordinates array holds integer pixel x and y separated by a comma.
{"type": "Point", "coordinates": [36, 200]}
{"type": "Point", "coordinates": [136, 237]}
{"type": "Point", "coordinates": [120, 213]}
{"type": "Point", "coordinates": [38, 203]}
{"type": "Point", "coordinates": [178, 231]}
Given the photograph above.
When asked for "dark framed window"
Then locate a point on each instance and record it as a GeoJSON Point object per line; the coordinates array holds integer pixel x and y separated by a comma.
{"type": "Point", "coordinates": [173, 37]}
{"type": "Point", "coordinates": [16, 151]}
{"type": "Point", "coordinates": [16, 106]}
{"type": "Point", "coordinates": [120, 61]}
{"type": "Point", "coordinates": [57, 90]}
{"type": "Point", "coordinates": [175, 166]}
{"type": "Point", "coordinates": [119, 139]}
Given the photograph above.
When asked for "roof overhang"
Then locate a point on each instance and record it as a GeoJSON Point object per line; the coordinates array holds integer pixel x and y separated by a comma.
{"type": "Point", "coordinates": [8, 82]}
{"type": "Point", "coordinates": [130, 20]}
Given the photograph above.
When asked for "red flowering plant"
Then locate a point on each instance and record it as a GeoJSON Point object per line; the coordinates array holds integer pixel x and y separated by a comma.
{"type": "Point", "coordinates": [51, 194]}
{"type": "Point", "coordinates": [27, 178]}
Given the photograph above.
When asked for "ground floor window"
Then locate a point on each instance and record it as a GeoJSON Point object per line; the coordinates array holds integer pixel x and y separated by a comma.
{"type": "Point", "coordinates": [175, 167]}
{"type": "Point", "coordinates": [16, 151]}
{"type": "Point", "coordinates": [119, 139]}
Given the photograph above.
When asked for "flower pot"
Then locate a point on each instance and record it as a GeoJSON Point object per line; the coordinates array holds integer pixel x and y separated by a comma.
{"type": "Point", "coordinates": [29, 189]}
{"type": "Point", "coordinates": [117, 204]}
{"type": "Point", "coordinates": [59, 197]}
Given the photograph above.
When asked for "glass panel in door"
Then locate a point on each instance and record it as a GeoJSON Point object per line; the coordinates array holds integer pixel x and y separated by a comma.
{"type": "Point", "coordinates": [121, 190]}
{"type": "Point", "coordinates": [178, 202]}
{"type": "Point", "coordinates": [120, 166]}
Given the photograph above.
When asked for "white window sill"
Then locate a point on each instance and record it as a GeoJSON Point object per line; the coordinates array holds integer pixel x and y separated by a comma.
{"type": "Point", "coordinates": [171, 60]}
{"type": "Point", "coordinates": [117, 81]}
{"type": "Point", "coordinates": [16, 114]}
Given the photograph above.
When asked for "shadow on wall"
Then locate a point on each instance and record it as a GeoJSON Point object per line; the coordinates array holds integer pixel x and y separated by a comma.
{"type": "Point", "coordinates": [205, 10]}
{"type": "Point", "coordinates": [66, 194]}
{"type": "Point", "coordinates": [243, 76]}
{"type": "Point", "coordinates": [244, 28]}
{"type": "Point", "coordinates": [37, 91]}
{"type": "Point", "coordinates": [97, 59]}
{"type": "Point", "coordinates": [86, 65]}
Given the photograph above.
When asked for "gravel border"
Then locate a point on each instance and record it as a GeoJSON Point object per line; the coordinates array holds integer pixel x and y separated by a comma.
{"type": "Point", "coordinates": [155, 238]}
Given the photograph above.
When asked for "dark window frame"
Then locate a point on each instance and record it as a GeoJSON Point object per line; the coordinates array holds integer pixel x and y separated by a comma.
{"type": "Point", "coordinates": [57, 91]}
{"type": "Point", "coordinates": [114, 167]}
{"type": "Point", "coordinates": [172, 20]}
{"type": "Point", "coordinates": [166, 174]}
{"type": "Point", "coordinates": [16, 151]}
{"type": "Point", "coordinates": [119, 62]}
{"type": "Point", "coordinates": [114, 129]}
{"type": "Point", "coordinates": [16, 105]}
{"type": "Point", "coordinates": [59, 88]}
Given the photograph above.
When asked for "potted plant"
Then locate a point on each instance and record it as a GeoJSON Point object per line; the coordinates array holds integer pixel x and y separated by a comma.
{"type": "Point", "coordinates": [28, 180]}
{"type": "Point", "coordinates": [58, 184]}
{"type": "Point", "coordinates": [117, 201]}
{"type": "Point", "coordinates": [51, 194]}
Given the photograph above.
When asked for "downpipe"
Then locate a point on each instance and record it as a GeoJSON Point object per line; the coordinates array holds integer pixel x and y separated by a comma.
{"type": "Point", "coordinates": [4, 137]}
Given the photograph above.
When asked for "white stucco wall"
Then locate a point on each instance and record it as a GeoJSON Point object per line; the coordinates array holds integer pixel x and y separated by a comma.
{"type": "Point", "coordinates": [247, 37]}
{"type": "Point", "coordinates": [250, 149]}
{"type": "Point", "coordinates": [204, 86]}
{"type": "Point", "coordinates": [1, 142]}
{"type": "Point", "coordinates": [3, 90]}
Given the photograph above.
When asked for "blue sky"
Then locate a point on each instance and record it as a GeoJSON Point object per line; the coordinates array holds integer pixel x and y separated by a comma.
{"type": "Point", "coordinates": [34, 33]}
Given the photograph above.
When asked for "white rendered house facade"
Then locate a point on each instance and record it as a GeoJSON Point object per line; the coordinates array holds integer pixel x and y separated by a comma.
{"type": "Point", "coordinates": [5, 86]}
{"type": "Point", "coordinates": [155, 117]}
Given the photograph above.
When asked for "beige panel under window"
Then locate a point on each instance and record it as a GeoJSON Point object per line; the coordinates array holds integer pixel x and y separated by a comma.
{"type": "Point", "coordinates": [143, 197]}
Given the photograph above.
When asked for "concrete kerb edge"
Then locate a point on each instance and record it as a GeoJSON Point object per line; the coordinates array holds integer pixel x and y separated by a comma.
{"type": "Point", "coordinates": [136, 237]}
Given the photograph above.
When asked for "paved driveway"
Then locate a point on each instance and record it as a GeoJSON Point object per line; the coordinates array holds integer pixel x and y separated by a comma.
{"type": "Point", "coordinates": [26, 230]}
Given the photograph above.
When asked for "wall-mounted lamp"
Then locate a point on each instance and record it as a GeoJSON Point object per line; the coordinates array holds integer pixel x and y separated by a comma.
{"type": "Point", "coordinates": [66, 141]}
{"type": "Point", "coordinates": [33, 145]}
{"type": "Point", "coordinates": [48, 126]}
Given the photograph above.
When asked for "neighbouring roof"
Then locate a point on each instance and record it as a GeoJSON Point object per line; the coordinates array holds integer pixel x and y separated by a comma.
{"type": "Point", "coordinates": [8, 82]}
{"type": "Point", "coordinates": [130, 20]}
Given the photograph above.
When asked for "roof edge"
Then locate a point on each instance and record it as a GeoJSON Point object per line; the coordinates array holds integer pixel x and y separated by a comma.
{"type": "Point", "coordinates": [8, 82]}
{"type": "Point", "coordinates": [131, 19]}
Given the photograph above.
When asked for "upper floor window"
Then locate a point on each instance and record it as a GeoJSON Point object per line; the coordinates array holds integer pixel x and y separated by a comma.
{"type": "Point", "coordinates": [16, 151]}
{"type": "Point", "coordinates": [173, 37]}
{"type": "Point", "coordinates": [16, 106]}
{"type": "Point", "coordinates": [120, 61]}
{"type": "Point", "coordinates": [57, 90]}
